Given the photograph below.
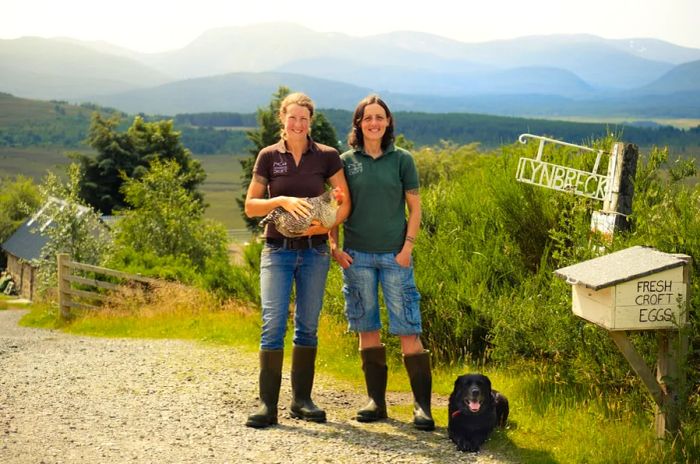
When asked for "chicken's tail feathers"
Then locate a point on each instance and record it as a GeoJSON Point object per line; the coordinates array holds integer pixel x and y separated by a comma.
{"type": "Point", "coordinates": [269, 218]}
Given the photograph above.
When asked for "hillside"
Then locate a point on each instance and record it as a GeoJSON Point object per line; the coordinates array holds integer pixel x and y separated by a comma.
{"type": "Point", "coordinates": [237, 68]}
{"type": "Point", "coordinates": [16, 111]}
{"type": "Point", "coordinates": [682, 78]}
{"type": "Point", "coordinates": [237, 92]}
{"type": "Point", "coordinates": [445, 83]}
{"type": "Point", "coordinates": [657, 50]}
{"type": "Point", "coordinates": [264, 47]}
{"type": "Point", "coordinates": [53, 69]}
{"type": "Point", "coordinates": [245, 92]}
{"type": "Point", "coordinates": [28, 123]}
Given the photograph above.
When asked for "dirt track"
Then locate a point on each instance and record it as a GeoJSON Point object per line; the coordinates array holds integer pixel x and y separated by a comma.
{"type": "Point", "coordinates": [71, 399]}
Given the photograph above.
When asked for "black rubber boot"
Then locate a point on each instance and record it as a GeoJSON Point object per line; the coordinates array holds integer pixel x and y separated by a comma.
{"type": "Point", "coordinates": [270, 380]}
{"type": "Point", "coordinates": [303, 360]}
{"type": "Point", "coordinates": [374, 367]}
{"type": "Point", "coordinates": [418, 368]}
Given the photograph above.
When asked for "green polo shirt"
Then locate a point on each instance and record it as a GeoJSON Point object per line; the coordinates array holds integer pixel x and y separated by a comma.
{"type": "Point", "coordinates": [377, 223]}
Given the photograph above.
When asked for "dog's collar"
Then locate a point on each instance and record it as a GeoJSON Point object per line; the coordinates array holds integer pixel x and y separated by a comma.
{"type": "Point", "coordinates": [456, 413]}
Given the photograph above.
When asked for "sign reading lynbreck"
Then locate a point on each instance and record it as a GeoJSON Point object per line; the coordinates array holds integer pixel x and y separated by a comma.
{"type": "Point", "coordinates": [537, 172]}
{"type": "Point", "coordinates": [553, 176]}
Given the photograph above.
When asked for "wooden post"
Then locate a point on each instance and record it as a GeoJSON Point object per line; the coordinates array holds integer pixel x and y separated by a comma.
{"type": "Point", "coordinates": [618, 203]}
{"type": "Point", "coordinates": [671, 368]}
{"type": "Point", "coordinates": [32, 277]}
{"type": "Point", "coordinates": [666, 415]}
{"type": "Point", "coordinates": [623, 184]}
{"type": "Point", "coordinates": [667, 387]}
{"type": "Point", "coordinates": [638, 365]}
{"type": "Point", "coordinates": [64, 298]}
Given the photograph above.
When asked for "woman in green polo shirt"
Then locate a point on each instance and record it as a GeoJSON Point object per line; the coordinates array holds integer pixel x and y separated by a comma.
{"type": "Point", "coordinates": [378, 242]}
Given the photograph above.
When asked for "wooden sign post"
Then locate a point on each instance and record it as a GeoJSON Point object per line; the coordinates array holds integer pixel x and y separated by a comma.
{"type": "Point", "coordinates": [615, 188]}
{"type": "Point", "coordinates": [640, 288]}
{"type": "Point", "coordinates": [617, 205]}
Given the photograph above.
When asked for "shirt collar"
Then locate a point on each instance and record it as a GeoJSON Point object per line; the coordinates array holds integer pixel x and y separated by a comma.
{"type": "Point", "coordinates": [312, 148]}
{"type": "Point", "coordinates": [389, 149]}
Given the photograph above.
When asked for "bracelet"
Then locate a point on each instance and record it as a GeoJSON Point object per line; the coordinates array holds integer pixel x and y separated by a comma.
{"type": "Point", "coordinates": [410, 239]}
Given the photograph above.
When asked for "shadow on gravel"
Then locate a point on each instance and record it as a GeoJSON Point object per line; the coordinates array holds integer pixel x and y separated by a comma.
{"type": "Point", "coordinates": [390, 435]}
{"type": "Point", "coordinates": [397, 436]}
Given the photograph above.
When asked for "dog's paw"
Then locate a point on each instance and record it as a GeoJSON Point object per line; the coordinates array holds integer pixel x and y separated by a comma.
{"type": "Point", "coordinates": [467, 446]}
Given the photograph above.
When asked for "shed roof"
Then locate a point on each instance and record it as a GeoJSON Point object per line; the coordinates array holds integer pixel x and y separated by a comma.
{"type": "Point", "coordinates": [28, 240]}
{"type": "Point", "coordinates": [621, 266]}
{"type": "Point", "coordinates": [24, 243]}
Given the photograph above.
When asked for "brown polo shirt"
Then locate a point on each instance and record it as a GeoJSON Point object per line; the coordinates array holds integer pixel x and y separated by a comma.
{"type": "Point", "coordinates": [284, 177]}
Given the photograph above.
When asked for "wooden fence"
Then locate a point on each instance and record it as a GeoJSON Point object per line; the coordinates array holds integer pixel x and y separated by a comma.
{"type": "Point", "coordinates": [86, 298]}
{"type": "Point", "coordinates": [239, 235]}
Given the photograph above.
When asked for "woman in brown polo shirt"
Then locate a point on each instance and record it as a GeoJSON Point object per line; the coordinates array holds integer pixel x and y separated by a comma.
{"type": "Point", "coordinates": [294, 168]}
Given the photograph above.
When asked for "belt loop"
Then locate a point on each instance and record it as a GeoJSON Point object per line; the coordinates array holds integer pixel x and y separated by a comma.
{"type": "Point", "coordinates": [310, 242]}
{"type": "Point", "coordinates": [285, 243]}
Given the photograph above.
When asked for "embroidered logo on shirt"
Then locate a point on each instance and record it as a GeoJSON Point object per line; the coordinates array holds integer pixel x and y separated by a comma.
{"type": "Point", "coordinates": [354, 169]}
{"type": "Point", "coordinates": [279, 167]}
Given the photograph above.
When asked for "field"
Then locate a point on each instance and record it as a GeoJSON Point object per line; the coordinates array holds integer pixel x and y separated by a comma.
{"type": "Point", "coordinates": [220, 189]}
{"type": "Point", "coordinates": [32, 162]}
{"type": "Point", "coordinates": [679, 123]}
{"type": "Point", "coordinates": [20, 110]}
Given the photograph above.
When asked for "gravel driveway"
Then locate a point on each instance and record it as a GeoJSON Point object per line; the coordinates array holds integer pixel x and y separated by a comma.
{"type": "Point", "coordinates": [74, 399]}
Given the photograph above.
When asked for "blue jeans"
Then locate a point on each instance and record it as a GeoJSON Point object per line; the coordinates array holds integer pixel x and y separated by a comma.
{"type": "Point", "coordinates": [361, 284]}
{"type": "Point", "coordinates": [279, 268]}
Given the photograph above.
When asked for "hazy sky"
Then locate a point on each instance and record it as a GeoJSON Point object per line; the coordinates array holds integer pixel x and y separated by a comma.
{"type": "Point", "coordinates": [156, 25]}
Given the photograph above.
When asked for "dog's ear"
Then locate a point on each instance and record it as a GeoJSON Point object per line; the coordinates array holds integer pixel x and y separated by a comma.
{"type": "Point", "coordinates": [487, 384]}
{"type": "Point", "coordinates": [459, 381]}
{"type": "Point", "coordinates": [456, 391]}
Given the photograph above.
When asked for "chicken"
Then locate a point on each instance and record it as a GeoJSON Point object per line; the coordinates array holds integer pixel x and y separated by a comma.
{"type": "Point", "coordinates": [323, 212]}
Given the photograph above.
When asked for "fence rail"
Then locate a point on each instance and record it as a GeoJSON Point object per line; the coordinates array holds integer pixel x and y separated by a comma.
{"type": "Point", "coordinates": [69, 297]}
{"type": "Point", "coordinates": [239, 235]}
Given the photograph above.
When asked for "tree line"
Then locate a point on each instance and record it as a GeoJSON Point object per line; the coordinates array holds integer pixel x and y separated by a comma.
{"type": "Point", "coordinates": [225, 133]}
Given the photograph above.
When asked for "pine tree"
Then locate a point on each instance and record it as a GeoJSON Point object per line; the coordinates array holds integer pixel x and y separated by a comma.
{"type": "Point", "coordinates": [268, 132]}
{"type": "Point", "coordinates": [129, 154]}
{"type": "Point", "coordinates": [322, 131]}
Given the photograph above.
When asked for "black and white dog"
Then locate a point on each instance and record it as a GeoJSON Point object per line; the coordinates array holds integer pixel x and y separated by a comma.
{"type": "Point", "coordinates": [475, 410]}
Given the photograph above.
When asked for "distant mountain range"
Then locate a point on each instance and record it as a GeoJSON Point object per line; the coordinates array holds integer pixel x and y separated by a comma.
{"type": "Point", "coordinates": [238, 69]}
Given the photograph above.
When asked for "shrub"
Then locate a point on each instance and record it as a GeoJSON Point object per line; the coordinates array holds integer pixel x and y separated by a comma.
{"type": "Point", "coordinates": [74, 228]}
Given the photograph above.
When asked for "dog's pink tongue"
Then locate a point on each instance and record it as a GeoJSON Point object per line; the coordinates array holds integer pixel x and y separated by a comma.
{"type": "Point", "coordinates": [474, 406]}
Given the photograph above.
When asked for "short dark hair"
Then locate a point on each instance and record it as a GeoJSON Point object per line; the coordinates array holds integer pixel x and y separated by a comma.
{"type": "Point", "coordinates": [355, 137]}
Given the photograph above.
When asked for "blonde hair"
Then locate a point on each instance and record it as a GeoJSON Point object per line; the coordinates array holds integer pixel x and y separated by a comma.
{"type": "Point", "coordinates": [296, 98]}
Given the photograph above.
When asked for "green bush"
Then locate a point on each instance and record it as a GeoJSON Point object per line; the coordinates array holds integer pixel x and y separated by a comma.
{"type": "Point", "coordinates": [19, 198]}
{"type": "Point", "coordinates": [165, 235]}
{"type": "Point", "coordinates": [151, 264]}
{"type": "Point", "coordinates": [489, 246]}
{"type": "Point", "coordinates": [227, 281]}
{"type": "Point", "coordinates": [75, 228]}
